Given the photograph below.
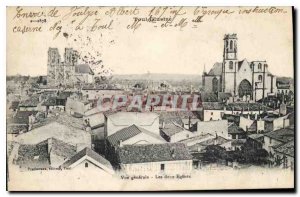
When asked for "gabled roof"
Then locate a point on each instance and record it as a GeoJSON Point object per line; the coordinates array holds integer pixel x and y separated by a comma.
{"type": "Point", "coordinates": [83, 69]}
{"type": "Point", "coordinates": [240, 63]}
{"type": "Point", "coordinates": [129, 132]}
{"type": "Point", "coordinates": [216, 69]}
{"type": "Point", "coordinates": [129, 154]}
{"type": "Point", "coordinates": [38, 155]}
{"type": "Point", "coordinates": [91, 156]}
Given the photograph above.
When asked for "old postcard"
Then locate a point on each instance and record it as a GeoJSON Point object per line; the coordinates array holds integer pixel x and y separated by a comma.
{"type": "Point", "coordinates": [149, 98]}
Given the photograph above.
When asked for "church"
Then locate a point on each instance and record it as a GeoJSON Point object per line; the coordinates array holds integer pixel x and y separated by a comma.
{"type": "Point", "coordinates": [67, 72]}
{"type": "Point", "coordinates": [248, 81]}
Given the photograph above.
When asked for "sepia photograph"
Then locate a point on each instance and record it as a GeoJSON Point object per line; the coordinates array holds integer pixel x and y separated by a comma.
{"type": "Point", "coordinates": [154, 98]}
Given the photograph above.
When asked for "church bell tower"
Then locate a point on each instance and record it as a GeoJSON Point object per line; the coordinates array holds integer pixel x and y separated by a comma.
{"type": "Point", "coordinates": [230, 63]}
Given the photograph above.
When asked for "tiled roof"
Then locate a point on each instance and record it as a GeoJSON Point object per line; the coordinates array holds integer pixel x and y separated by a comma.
{"type": "Point", "coordinates": [232, 118]}
{"type": "Point", "coordinates": [287, 148]}
{"type": "Point", "coordinates": [234, 129]}
{"type": "Point", "coordinates": [238, 142]}
{"type": "Point", "coordinates": [153, 153]}
{"type": "Point", "coordinates": [34, 156]}
{"type": "Point", "coordinates": [16, 129]}
{"type": "Point", "coordinates": [283, 135]}
{"type": "Point", "coordinates": [62, 119]}
{"type": "Point", "coordinates": [256, 136]}
{"type": "Point", "coordinates": [84, 69]}
{"type": "Point", "coordinates": [247, 107]}
{"type": "Point", "coordinates": [216, 69]}
{"type": "Point", "coordinates": [212, 106]}
{"type": "Point", "coordinates": [38, 155]}
{"type": "Point", "coordinates": [172, 129]}
{"type": "Point", "coordinates": [90, 153]}
{"type": "Point", "coordinates": [61, 148]}
{"type": "Point", "coordinates": [127, 133]}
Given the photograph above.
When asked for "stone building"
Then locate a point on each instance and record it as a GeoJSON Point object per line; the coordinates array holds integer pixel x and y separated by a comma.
{"type": "Point", "coordinates": [244, 79]}
{"type": "Point", "coordinates": [67, 72]}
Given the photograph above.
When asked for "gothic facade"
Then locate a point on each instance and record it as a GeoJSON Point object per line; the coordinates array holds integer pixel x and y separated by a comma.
{"type": "Point", "coordinates": [67, 72]}
{"type": "Point", "coordinates": [241, 78]}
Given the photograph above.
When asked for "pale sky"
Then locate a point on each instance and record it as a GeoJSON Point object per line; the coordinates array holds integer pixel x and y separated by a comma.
{"type": "Point", "coordinates": [260, 37]}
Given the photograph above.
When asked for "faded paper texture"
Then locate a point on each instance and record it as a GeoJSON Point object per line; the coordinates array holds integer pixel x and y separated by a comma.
{"type": "Point", "coordinates": [149, 98]}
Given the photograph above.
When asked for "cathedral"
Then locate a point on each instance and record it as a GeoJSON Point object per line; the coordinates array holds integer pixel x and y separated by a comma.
{"type": "Point", "coordinates": [67, 72]}
{"type": "Point", "coordinates": [243, 79]}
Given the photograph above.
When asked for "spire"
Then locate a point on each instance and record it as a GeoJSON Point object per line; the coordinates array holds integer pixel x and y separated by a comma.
{"type": "Point", "coordinates": [204, 69]}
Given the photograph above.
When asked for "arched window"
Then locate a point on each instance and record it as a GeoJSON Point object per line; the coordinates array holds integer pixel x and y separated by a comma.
{"type": "Point", "coordinates": [231, 44]}
{"type": "Point", "coordinates": [230, 65]}
{"type": "Point", "coordinates": [259, 77]}
{"type": "Point", "coordinates": [86, 165]}
{"type": "Point", "coordinates": [226, 43]}
{"type": "Point", "coordinates": [259, 66]}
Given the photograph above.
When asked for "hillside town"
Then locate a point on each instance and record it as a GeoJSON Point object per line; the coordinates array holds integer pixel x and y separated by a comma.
{"type": "Point", "coordinates": [239, 116]}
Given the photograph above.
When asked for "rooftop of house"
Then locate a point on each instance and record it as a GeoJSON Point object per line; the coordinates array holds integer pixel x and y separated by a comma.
{"type": "Point", "coordinates": [62, 118]}
{"type": "Point", "coordinates": [21, 117]}
{"type": "Point", "coordinates": [33, 101]}
{"type": "Point", "coordinates": [234, 129]}
{"type": "Point", "coordinates": [242, 106]}
{"type": "Point", "coordinates": [287, 148]}
{"type": "Point", "coordinates": [91, 154]}
{"type": "Point", "coordinates": [129, 132]}
{"type": "Point", "coordinates": [130, 154]}
{"type": "Point", "coordinates": [213, 106]}
{"type": "Point", "coordinates": [100, 87]}
{"type": "Point", "coordinates": [38, 155]}
{"type": "Point", "coordinates": [197, 138]}
{"type": "Point", "coordinates": [284, 135]}
{"type": "Point", "coordinates": [171, 129]}
{"type": "Point", "coordinates": [256, 136]}
{"type": "Point", "coordinates": [238, 142]}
